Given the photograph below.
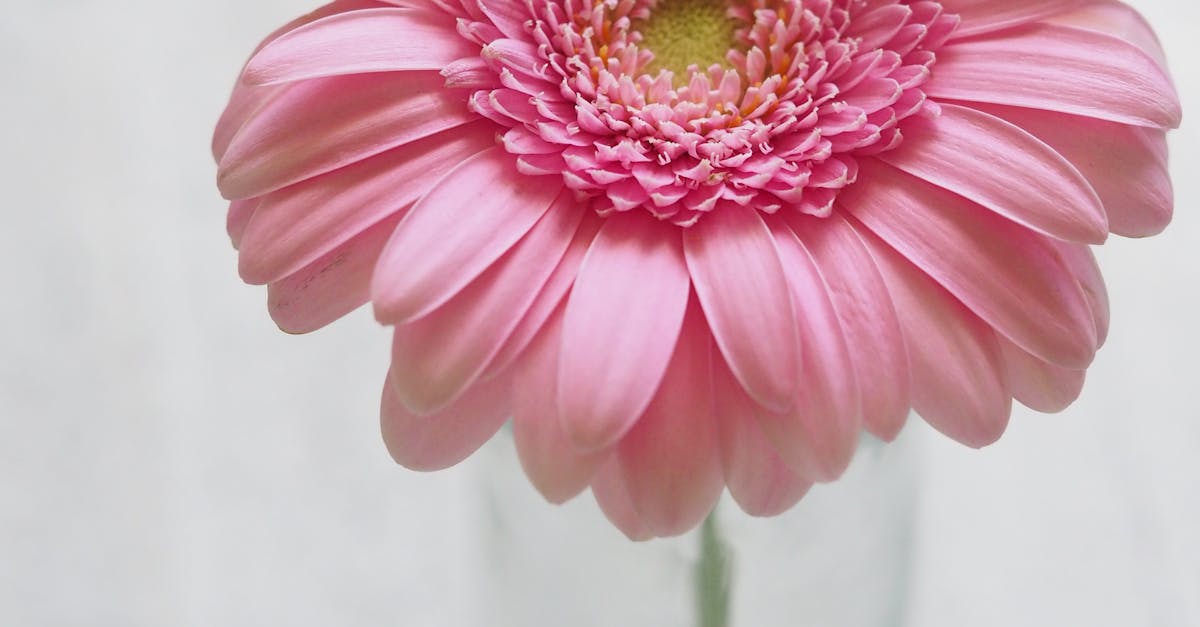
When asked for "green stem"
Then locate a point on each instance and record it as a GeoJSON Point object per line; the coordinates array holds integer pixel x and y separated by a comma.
{"type": "Point", "coordinates": [712, 576]}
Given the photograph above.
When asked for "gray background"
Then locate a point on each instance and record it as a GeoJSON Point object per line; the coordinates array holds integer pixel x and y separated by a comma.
{"type": "Point", "coordinates": [167, 457]}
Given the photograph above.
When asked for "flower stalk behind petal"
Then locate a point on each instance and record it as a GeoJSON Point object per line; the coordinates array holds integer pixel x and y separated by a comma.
{"type": "Point", "coordinates": [713, 576]}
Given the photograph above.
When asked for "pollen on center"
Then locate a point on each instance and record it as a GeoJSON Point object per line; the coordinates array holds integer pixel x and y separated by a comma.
{"type": "Point", "coordinates": [681, 33]}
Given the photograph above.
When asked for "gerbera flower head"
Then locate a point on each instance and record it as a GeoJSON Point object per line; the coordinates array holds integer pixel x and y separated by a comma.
{"type": "Point", "coordinates": [690, 245]}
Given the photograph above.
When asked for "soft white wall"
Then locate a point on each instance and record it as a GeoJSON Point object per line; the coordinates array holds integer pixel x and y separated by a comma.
{"type": "Point", "coordinates": [167, 457]}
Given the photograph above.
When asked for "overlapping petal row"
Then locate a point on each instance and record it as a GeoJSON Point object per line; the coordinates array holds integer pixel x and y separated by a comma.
{"type": "Point", "coordinates": [676, 285]}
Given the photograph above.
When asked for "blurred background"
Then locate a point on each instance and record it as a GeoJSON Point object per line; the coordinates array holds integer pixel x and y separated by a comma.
{"type": "Point", "coordinates": [168, 457]}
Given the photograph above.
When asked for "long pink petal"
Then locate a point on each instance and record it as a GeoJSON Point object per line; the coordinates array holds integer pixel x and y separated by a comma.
{"type": "Point", "coordinates": [550, 460]}
{"type": "Point", "coordinates": [608, 487]}
{"type": "Point", "coordinates": [669, 459]}
{"type": "Point", "coordinates": [246, 99]}
{"type": "Point", "coordinates": [985, 16]}
{"type": "Point", "coordinates": [243, 103]}
{"type": "Point", "coordinates": [1082, 263]}
{"type": "Point", "coordinates": [549, 299]}
{"type": "Point", "coordinates": [240, 212]}
{"type": "Point", "coordinates": [1038, 385]}
{"type": "Point", "coordinates": [330, 287]}
{"type": "Point", "coordinates": [744, 292]}
{"type": "Point", "coordinates": [436, 357]}
{"type": "Point", "coordinates": [472, 216]}
{"type": "Point", "coordinates": [819, 438]}
{"type": "Point", "coordinates": [1002, 167]}
{"type": "Point", "coordinates": [358, 42]}
{"type": "Point", "coordinates": [623, 317]}
{"type": "Point", "coordinates": [1119, 20]}
{"type": "Point", "coordinates": [1009, 276]}
{"type": "Point", "coordinates": [325, 124]}
{"type": "Point", "coordinates": [442, 439]}
{"type": "Point", "coordinates": [295, 225]}
{"type": "Point", "coordinates": [1058, 68]}
{"type": "Point", "coordinates": [758, 479]}
{"type": "Point", "coordinates": [1126, 165]}
{"type": "Point", "coordinates": [960, 386]}
{"type": "Point", "coordinates": [868, 319]}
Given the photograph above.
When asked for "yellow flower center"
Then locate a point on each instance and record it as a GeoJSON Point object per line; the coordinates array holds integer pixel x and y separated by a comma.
{"type": "Point", "coordinates": [681, 33]}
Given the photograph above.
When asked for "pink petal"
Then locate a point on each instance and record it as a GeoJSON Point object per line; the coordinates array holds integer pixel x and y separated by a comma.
{"type": "Point", "coordinates": [744, 292]}
{"type": "Point", "coordinates": [1126, 165]}
{"type": "Point", "coordinates": [240, 212]}
{"type": "Point", "coordinates": [1001, 167]}
{"type": "Point", "coordinates": [550, 460]}
{"type": "Point", "coordinates": [1008, 275]}
{"type": "Point", "coordinates": [548, 300]}
{"type": "Point", "coordinates": [1038, 385]}
{"type": "Point", "coordinates": [294, 226]}
{"type": "Point", "coordinates": [440, 440]}
{"type": "Point", "coordinates": [669, 459]}
{"type": "Point", "coordinates": [960, 386]}
{"type": "Point", "coordinates": [330, 287]}
{"type": "Point", "coordinates": [358, 42]}
{"type": "Point", "coordinates": [243, 103]}
{"type": "Point", "coordinates": [622, 320]}
{"type": "Point", "coordinates": [608, 487]}
{"type": "Point", "coordinates": [469, 219]}
{"type": "Point", "coordinates": [820, 436]}
{"type": "Point", "coordinates": [1058, 68]}
{"type": "Point", "coordinates": [985, 16]}
{"type": "Point", "coordinates": [321, 125]}
{"type": "Point", "coordinates": [1082, 263]}
{"type": "Point", "coordinates": [758, 479]}
{"type": "Point", "coordinates": [246, 99]}
{"type": "Point", "coordinates": [867, 316]}
{"type": "Point", "coordinates": [509, 16]}
{"type": "Point", "coordinates": [1119, 20]}
{"type": "Point", "coordinates": [438, 356]}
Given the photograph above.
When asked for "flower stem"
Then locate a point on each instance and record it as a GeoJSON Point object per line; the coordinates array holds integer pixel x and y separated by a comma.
{"type": "Point", "coordinates": [712, 576]}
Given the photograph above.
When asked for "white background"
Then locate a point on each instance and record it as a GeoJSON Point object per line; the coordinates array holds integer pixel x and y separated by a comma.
{"type": "Point", "coordinates": [167, 457]}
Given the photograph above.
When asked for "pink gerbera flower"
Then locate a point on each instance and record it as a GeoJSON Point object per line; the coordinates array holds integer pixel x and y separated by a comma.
{"type": "Point", "coordinates": [694, 244]}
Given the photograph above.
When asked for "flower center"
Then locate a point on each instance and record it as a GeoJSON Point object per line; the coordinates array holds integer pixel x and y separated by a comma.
{"type": "Point", "coordinates": [682, 33]}
{"type": "Point", "coordinates": [684, 107]}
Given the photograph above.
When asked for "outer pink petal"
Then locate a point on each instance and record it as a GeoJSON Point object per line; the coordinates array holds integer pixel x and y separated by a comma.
{"type": "Point", "coordinates": [1126, 165]}
{"type": "Point", "coordinates": [469, 219]}
{"type": "Point", "coordinates": [1058, 68]}
{"type": "Point", "coordinates": [608, 487]}
{"type": "Point", "coordinates": [1038, 385]}
{"type": "Point", "coordinates": [549, 298]}
{"type": "Point", "coordinates": [960, 386]}
{"type": "Point", "coordinates": [246, 99]}
{"type": "Point", "coordinates": [240, 212]}
{"type": "Point", "coordinates": [442, 439]}
{"type": "Point", "coordinates": [358, 42]}
{"type": "Point", "coordinates": [622, 320]}
{"type": "Point", "coordinates": [243, 103]}
{"type": "Point", "coordinates": [1008, 275]}
{"type": "Point", "coordinates": [1002, 167]}
{"type": "Point", "coordinates": [758, 479]}
{"type": "Point", "coordinates": [1119, 20]}
{"type": "Point", "coordinates": [549, 458]}
{"type": "Point", "coordinates": [819, 438]}
{"type": "Point", "coordinates": [984, 16]}
{"type": "Point", "coordinates": [1082, 263]}
{"type": "Point", "coordinates": [298, 224]}
{"type": "Point", "coordinates": [868, 319]}
{"type": "Point", "coordinates": [331, 286]}
{"type": "Point", "coordinates": [669, 459]}
{"type": "Point", "coordinates": [437, 357]}
{"type": "Point", "coordinates": [744, 292]}
{"type": "Point", "coordinates": [324, 124]}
